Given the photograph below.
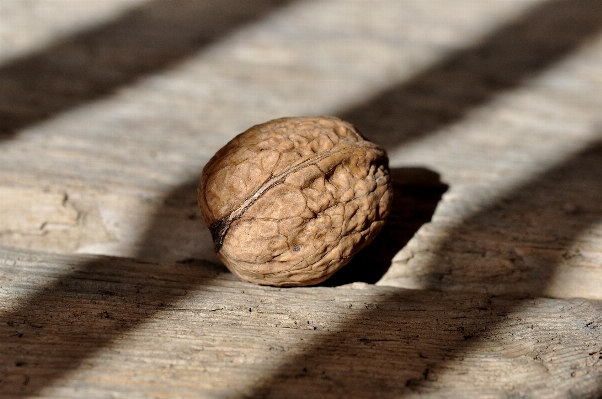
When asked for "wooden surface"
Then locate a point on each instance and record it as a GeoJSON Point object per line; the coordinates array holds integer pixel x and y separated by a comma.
{"type": "Point", "coordinates": [485, 282]}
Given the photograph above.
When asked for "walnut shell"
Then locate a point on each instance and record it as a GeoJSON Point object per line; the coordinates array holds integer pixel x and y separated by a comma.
{"type": "Point", "coordinates": [290, 201]}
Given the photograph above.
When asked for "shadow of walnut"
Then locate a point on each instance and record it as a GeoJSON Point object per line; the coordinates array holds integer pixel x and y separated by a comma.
{"type": "Point", "coordinates": [417, 191]}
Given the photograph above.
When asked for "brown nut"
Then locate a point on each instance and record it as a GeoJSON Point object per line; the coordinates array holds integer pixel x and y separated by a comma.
{"type": "Point", "coordinates": [290, 201]}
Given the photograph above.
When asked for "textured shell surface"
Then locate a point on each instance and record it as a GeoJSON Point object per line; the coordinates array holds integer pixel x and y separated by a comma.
{"type": "Point", "coordinates": [289, 202]}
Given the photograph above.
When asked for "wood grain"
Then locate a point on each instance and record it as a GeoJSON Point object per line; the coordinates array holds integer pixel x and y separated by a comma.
{"type": "Point", "coordinates": [484, 283]}
{"type": "Point", "coordinates": [92, 325]}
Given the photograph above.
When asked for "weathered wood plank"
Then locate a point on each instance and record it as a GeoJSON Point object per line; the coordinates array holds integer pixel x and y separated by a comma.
{"type": "Point", "coordinates": [543, 237]}
{"type": "Point", "coordinates": [149, 142]}
{"type": "Point", "coordinates": [490, 112]}
{"type": "Point", "coordinates": [98, 326]}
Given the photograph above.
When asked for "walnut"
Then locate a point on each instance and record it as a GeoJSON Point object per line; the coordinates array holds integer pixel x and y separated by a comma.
{"type": "Point", "coordinates": [291, 201]}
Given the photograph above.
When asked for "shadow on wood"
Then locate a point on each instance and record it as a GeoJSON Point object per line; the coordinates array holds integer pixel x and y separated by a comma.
{"type": "Point", "coordinates": [88, 308]}
{"type": "Point", "coordinates": [383, 355]}
{"type": "Point", "coordinates": [417, 192]}
{"type": "Point", "coordinates": [471, 77]}
{"type": "Point", "coordinates": [513, 246]}
{"type": "Point", "coordinates": [437, 97]}
{"type": "Point", "coordinates": [79, 69]}
{"type": "Point", "coordinates": [95, 63]}
{"type": "Point", "coordinates": [85, 312]}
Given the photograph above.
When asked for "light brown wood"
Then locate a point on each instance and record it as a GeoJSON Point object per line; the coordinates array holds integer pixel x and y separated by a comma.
{"type": "Point", "coordinates": [484, 283]}
{"type": "Point", "coordinates": [86, 326]}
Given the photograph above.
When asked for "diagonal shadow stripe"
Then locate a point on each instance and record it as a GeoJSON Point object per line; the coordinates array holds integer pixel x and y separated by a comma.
{"type": "Point", "coordinates": [56, 329]}
{"type": "Point", "coordinates": [87, 301]}
{"type": "Point", "coordinates": [431, 100]}
{"type": "Point", "coordinates": [89, 310]}
{"type": "Point", "coordinates": [95, 63]}
{"type": "Point", "coordinates": [343, 361]}
{"type": "Point", "coordinates": [59, 326]}
{"type": "Point", "coordinates": [469, 78]}
{"type": "Point", "coordinates": [62, 325]}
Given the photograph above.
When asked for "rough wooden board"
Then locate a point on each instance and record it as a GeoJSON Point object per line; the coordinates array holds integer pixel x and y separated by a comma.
{"type": "Point", "coordinates": [489, 132]}
{"type": "Point", "coordinates": [114, 172]}
{"type": "Point", "coordinates": [98, 327]}
{"type": "Point", "coordinates": [83, 219]}
{"type": "Point", "coordinates": [543, 237]}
